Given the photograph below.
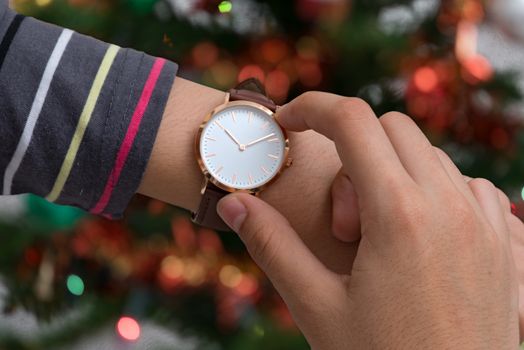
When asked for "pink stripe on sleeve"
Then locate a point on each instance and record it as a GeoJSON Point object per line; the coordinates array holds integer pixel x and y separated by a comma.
{"type": "Point", "coordinates": [130, 136]}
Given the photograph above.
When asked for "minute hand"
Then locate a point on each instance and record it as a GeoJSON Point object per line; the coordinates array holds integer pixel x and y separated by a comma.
{"type": "Point", "coordinates": [260, 139]}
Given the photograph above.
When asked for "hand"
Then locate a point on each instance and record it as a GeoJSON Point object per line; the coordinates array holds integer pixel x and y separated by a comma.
{"type": "Point", "coordinates": [315, 166]}
{"type": "Point", "coordinates": [434, 265]}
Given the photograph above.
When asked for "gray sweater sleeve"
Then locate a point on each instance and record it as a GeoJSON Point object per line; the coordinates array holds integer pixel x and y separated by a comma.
{"type": "Point", "coordinates": [78, 117]}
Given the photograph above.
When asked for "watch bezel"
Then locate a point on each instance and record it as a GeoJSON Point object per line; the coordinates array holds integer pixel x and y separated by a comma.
{"type": "Point", "coordinates": [202, 165]}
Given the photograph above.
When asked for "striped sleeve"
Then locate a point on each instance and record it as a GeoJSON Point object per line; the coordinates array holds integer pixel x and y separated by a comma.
{"type": "Point", "coordinates": [78, 117]}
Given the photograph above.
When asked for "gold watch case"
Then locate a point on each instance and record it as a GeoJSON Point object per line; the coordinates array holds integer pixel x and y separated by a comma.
{"type": "Point", "coordinates": [208, 177]}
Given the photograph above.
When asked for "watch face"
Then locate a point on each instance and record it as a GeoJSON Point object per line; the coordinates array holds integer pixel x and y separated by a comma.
{"type": "Point", "coordinates": [242, 147]}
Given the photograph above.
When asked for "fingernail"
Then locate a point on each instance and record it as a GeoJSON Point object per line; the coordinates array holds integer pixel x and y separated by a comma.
{"type": "Point", "coordinates": [232, 211]}
{"type": "Point", "coordinates": [278, 111]}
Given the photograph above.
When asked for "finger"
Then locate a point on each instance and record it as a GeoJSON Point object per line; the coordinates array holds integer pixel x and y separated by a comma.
{"type": "Point", "coordinates": [457, 177]}
{"type": "Point", "coordinates": [488, 200]}
{"type": "Point", "coordinates": [295, 272]}
{"type": "Point", "coordinates": [367, 155]}
{"type": "Point", "coordinates": [414, 150]}
{"type": "Point", "coordinates": [505, 203]}
{"type": "Point", "coordinates": [345, 214]}
{"type": "Point", "coordinates": [516, 235]}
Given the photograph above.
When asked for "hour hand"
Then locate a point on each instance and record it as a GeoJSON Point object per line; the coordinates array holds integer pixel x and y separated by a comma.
{"type": "Point", "coordinates": [233, 138]}
{"type": "Point", "coordinates": [240, 146]}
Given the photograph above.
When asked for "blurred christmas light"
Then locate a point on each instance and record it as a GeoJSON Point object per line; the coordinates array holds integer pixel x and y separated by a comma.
{"type": "Point", "coordinates": [425, 79]}
{"type": "Point", "coordinates": [248, 286]}
{"type": "Point", "coordinates": [204, 54]}
{"type": "Point", "coordinates": [274, 50]}
{"type": "Point", "coordinates": [75, 285]}
{"type": "Point", "coordinates": [32, 257]}
{"type": "Point", "coordinates": [277, 85]}
{"type": "Point", "coordinates": [42, 3]}
{"type": "Point", "coordinates": [172, 267]}
{"type": "Point", "coordinates": [522, 193]}
{"type": "Point", "coordinates": [477, 69]}
{"type": "Point", "coordinates": [194, 272]}
{"type": "Point", "coordinates": [224, 73]}
{"type": "Point", "coordinates": [128, 328]}
{"type": "Point", "coordinates": [209, 242]}
{"type": "Point", "coordinates": [466, 40]}
{"type": "Point", "coordinates": [184, 233]}
{"type": "Point", "coordinates": [251, 71]}
{"type": "Point", "coordinates": [230, 276]}
{"type": "Point", "coordinates": [473, 10]}
{"type": "Point", "coordinates": [258, 330]}
{"type": "Point", "coordinates": [225, 7]}
{"type": "Point", "coordinates": [310, 73]}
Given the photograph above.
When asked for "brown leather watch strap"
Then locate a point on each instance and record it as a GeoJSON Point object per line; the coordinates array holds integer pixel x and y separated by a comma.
{"type": "Point", "coordinates": [207, 211]}
{"type": "Point", "coordinates": [248, 90]}
{"type": "Point", "coordinates": [252, 90]}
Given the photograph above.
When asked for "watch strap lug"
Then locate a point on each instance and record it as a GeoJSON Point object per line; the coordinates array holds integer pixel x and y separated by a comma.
{"type": "Point", "coordinates": [207, 214]}
{"type": "Point", "coordinates": [252, 90]}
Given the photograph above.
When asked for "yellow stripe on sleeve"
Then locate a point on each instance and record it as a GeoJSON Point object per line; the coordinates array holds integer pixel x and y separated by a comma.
{"type": "Point", "coordinates": [83, 122]}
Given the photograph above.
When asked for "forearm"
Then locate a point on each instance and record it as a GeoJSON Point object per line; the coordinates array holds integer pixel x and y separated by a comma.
{"type": "Point", "coordinates": [302, 194]}
{"type": "Point", "coordinates": [78, 117]}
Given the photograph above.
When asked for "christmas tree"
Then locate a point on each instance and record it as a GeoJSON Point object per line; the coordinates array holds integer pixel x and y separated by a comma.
{"type": "Point", "coordinates": [415, 56]}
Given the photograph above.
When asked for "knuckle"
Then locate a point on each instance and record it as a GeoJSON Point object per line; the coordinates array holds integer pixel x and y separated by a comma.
{"type": "Point", "coordinates": [504, 199]}
{"type": "Point", "coordinates": [395, 118]}
{"type": "Point", "coordinates": [350, 109]}
{"type": "Point", "coordinates": [409, 213]}
{"type": "Point", "coordinates": [306, 96]}
{"type": "Point", "coordinates": [440, 152]}
{"type": "Point", "coordinates": [482, 184]}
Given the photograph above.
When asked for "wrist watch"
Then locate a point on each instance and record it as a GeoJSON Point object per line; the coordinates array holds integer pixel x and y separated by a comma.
{"type": "Point", "coordinates": [239, 147]}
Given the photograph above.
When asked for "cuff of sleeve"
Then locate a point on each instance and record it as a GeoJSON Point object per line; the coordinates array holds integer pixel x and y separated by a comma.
{"type": "Point", "coordinates": [130, 131]}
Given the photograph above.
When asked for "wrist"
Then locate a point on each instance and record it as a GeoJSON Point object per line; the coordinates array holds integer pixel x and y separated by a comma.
{"type": "Point", "coordinates": [172, 174]}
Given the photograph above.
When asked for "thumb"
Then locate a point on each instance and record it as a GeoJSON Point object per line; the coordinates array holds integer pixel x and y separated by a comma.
{"type": "Point", "coordinates": [276, 248]}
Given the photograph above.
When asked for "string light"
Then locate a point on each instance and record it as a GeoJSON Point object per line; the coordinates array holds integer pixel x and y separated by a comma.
{"type": "Point", "coordinates": [75, 285]}
{"type": "Point", "coordinates": [225, 7]}
{"type": "Point", "coordinates": [522, 193]}
{"type": "Point", "coordinates": [128, 328]}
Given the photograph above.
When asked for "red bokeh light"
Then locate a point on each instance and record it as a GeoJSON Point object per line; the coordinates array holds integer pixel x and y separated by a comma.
{"type": "Point", "coordinates": [251, 71]}
{"type": "Point", "coordinates": [32, 257]}
{"type": "Point", "coordinates": [204, 54]}
{"type": "Point", "coordinates": [477, 69]}
{"type": "Point", "coordinates": [310, 73]}
{"type": "Point", "coordinates": [274, 50]}
{"type": "Point", "coordinates": [184, 233]}
{"type": "Point", "coordinates": [277, 85]}
{"type": "Point", "coordinates": [425, 79]}
{"type": "Point", "coordinates": [128, 328]}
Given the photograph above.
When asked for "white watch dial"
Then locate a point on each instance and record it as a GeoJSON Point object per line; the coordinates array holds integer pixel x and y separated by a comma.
{"type": "Point", "coordinates": [242, 147]}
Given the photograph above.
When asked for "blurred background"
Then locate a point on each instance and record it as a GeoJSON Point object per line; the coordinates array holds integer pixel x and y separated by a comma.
{"type": "Point", "coordinates": [153, 280]}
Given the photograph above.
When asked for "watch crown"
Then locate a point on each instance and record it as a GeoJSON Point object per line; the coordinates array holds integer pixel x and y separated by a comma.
{"type": "Point", "coordinates": [289, 162]}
